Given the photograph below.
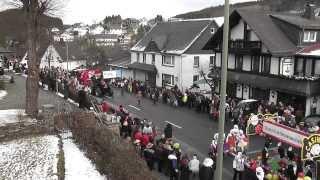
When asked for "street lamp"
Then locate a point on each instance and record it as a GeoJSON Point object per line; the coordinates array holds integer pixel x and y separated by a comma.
{"type": "Point", "coordinates": [223, 90]}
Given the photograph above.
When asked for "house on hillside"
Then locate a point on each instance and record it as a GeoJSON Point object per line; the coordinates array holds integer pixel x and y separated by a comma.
{"type": "Point", "coordinates": [171, 54]}
{"type": "Point", "coordinates": [106, 39]}
{"type": "Point", "coordinates": [272, 57]}
{"type": "Point", "coordinates": [116, 29]}
{"type": "Point", "coordinates": [96, 29]}
{"type": "Point", "coordinates": [68, 56]}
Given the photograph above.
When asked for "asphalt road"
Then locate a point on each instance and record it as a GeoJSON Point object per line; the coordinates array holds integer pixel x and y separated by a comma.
{"type": "Point", "coordinates": [194, 131]}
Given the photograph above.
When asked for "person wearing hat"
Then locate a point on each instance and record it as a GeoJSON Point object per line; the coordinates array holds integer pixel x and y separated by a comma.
{"type": "Point", "coordinates": [194, 165]}
{"type": "Point", "coordinates": [168, 131]}
{"type": "Point", "coordinates": [260, 173]}
{"type": "Point", "coordinates": [290, 154]}
{"type": "Point", "coordinates": [184, 169]}
{"type": "Point", "coordinates": [281, 150]}
{"type": "Point", "coordinates": [177, 150]}
{"type": "Point", "coordinates": [160, 155]}
{"type": "Point", "coordinates": [148, 154]}
{"type": "Point", "coordinates": [173, 166]}
{"type": "Point", "coordinates": [206, 171]}
{"type": "Point", "coordinates": [238, 166]}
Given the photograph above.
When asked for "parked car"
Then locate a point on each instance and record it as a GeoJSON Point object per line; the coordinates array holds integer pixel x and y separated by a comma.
{"type": "Point", "coordinates": [312, 120]}
{"type": "Point", "coordinates": [248, 106]}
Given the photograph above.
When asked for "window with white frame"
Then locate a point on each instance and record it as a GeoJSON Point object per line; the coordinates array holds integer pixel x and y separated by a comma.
{"type": "Point", "coordinates": [196, 61]}
{"type": "Point", "coordinates": [153, 59]}
{"type": "Point", "coordinates": [309, 36]}
{"type": "Point", "coordinates": [167, 79]}
{"type": "Point", "coordinates": [138, 57]}
{"type": "Point", "coordinates": [317, 68]}
{"type": "Point", "coordinates": [168, 60]}
{"type": "Point", "coordinates": [144, 58]}
{"type": "Point", "coordinates": [212, 60]}
{"type": "Point", "coordinates": [195, 78]}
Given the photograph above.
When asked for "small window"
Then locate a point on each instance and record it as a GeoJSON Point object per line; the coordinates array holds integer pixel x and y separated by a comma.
{"type": "Point", "coordinates": [195, 78]}
{"type": "Point", "coordinates": [239, 62]}
{"type": "Point", "coordinates": [309, 36]}
{"type": "Point", "coordinates": [196, 61]}
{"type": "Point", "coordinates": [168, 60]}
{"type": "Point", "coordinates": [138, 57]}
{"type": "Point", "coordinates": [212, 61]}
{"type": "Point", "coordinates": [167, 79]}
{"type": "Point", "coordinates": [212, 30]}
{"type": "Point", "coordinates": [265, 65]}
{"type": "Point", "coordinates": [317, 68]}
{"type": "Point", "coordinates": [255, 63]}
{"type": "Point", "coordinates": [153, 59]}
{"type": "Point", "coordinates": [144, 57]}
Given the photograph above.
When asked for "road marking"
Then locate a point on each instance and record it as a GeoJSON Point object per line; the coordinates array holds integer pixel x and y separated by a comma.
{"type": "Point", "coordinates": [59, 94]}
{"type": "Point", "coordinates": [174, 124]}
{"type": "Point", "coordinates": [135, 107]}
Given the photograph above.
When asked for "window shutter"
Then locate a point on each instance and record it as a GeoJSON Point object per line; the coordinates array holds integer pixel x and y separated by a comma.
{"type": "Point", "coordinates": [173, 60]}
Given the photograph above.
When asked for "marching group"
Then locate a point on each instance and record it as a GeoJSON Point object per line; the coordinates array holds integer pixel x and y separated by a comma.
{"type": "Point", "coordinates": [165, 154]}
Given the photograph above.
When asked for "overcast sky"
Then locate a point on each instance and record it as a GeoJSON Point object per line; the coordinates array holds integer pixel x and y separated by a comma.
{"type": "Point", "coordinates": [90, 11]}
{"type": "Point", "coordinates": [95, 10]}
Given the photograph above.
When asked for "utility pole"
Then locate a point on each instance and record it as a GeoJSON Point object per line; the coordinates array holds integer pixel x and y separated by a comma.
{"type": "Point", "coordinates": [223, 90]}
{"type": "Point", "coordinates": [67, 55]}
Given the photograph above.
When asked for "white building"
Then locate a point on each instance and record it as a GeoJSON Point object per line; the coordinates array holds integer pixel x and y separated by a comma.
{"type": "Point", "coordinates": [116, 29]}
{"type": "Point", "coordinates": [67, 56]}
{"type": "Point", "coordinates": [171, 53]}
{"type": "Point", "coordinates": [106, 39]}
{"type": "Point", "coordinates": [98, 29]}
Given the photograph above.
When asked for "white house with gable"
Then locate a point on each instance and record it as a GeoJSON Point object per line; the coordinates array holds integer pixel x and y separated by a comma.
{"type": "Point", "coordinates": [171, 54]}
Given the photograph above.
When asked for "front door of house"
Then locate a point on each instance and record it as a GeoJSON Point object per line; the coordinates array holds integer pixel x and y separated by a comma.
{"type": "Point", "coordinates": [152, 79]}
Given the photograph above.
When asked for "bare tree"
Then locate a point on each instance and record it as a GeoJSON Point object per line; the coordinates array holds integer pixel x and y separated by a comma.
{"type": "Point", "coordinates": [211, 78]}
{"type": "Point", "coordinates": [33, 11]}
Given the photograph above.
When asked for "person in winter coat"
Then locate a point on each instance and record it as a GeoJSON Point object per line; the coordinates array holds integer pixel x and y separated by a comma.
{"type": "Point", "coordinates": [260, 173]}
{"type": "Point", "coordinates": [194, 166]}
{"type": "Point", "coordinates": [290, 154]}
{"type": "Point", "coordinates": [184, 169]}
{"type": "Point", "coordinates": [66, 88]}
{"type": "Point", "coordinates": [281, 150]}
{"type": "Point", "coordinates": [206, 171]}
{"type": "Point", "coordinates": [148, 154]}
{"type": "Point", "coordinates": [290, 174]}
{"type": "Point", "coordinates": [168, 131]}
{"type": "Point", "coordinates": [82, 98]}
{"type": "Point", "coordinates": [238, 166]}
{"type": "Point", "coordinates": [173, 166]}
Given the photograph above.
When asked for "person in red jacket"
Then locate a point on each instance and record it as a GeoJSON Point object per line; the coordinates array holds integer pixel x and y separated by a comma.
{"type": "Point", "coordinates": [105, 107]}
{"type": "Point", "coordinates": [145, 140]}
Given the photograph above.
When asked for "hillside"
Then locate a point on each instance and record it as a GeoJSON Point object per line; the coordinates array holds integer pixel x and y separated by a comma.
{"type": "Point", "coordinates": [274, 5]}
{"type": "Point", "coordinates": [13, 26]}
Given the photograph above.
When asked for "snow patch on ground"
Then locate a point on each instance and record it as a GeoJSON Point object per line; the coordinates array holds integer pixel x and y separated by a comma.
{"type": "Point", "coordinates": [30, 158]}
{"type": "Point", "coordinates": [77, 165]}
{"type": "Point", "coordinates": [3, 94]}
{"type": "Point", "coordinates": [13, 116]}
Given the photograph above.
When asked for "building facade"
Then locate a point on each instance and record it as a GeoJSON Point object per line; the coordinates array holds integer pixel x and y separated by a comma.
{"type": "Point", "coordinates": [171, 55]}
{"type": "Point", "coordinates": [263, 62]}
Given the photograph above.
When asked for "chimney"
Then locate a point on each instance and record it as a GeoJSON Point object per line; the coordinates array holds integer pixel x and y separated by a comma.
{"type": "Point", "coordinates": [309, 11]}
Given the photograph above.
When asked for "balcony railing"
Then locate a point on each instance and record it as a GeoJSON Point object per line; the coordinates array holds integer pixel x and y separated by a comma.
{"type": "Point", "coordinates": [240, 44]}
{"type": "Point", "coordinates": [244, 47]}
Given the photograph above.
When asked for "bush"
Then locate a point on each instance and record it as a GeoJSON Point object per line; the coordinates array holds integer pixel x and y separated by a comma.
{"type": "Point", "coordinates": [111, 154]}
